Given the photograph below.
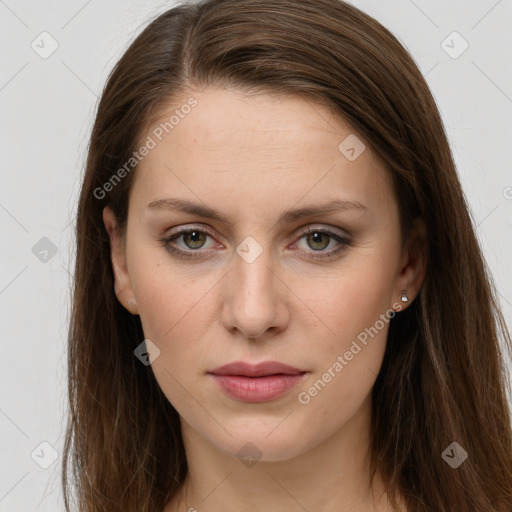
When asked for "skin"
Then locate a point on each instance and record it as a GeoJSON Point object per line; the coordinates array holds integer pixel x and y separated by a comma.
{"type": "Point", "coordinates": [252, 157]}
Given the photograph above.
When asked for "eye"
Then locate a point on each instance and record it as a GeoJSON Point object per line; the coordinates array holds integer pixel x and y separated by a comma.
{"type": "Point", "coordinates": [319, 239]}
{"type": "Point", "coordinates": [194, 239]}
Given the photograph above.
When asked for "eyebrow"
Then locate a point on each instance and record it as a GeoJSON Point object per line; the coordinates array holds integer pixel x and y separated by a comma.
{"type": "Point", "coordinates": [202, 210]}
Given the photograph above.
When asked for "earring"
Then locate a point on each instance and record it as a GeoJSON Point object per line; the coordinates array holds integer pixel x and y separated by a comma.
{"type": "Point", "coordinates": [131, 301]}
{"type": "Point", "coordinates": [404, 297]}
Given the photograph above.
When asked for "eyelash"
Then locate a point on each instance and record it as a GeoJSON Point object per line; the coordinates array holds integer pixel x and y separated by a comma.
{"type": "Point", "coordinates": [190, 254]}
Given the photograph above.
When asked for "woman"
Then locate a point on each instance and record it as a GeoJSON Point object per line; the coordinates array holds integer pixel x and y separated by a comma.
{"type": "Point", "coordinates": [280, 302]}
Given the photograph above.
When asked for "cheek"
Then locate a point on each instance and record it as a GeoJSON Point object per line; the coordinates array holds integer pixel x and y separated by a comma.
{"type": "Point", "coordinates": [175, 313]}
{"type": "Point", "coordinates": [171, 297]}
{"type": "Point", "coordinates": [177, 309]}
{"type": "Point", "coordinates": [349, 301]}
{"type": "Point", "coordinates": [356, 309]}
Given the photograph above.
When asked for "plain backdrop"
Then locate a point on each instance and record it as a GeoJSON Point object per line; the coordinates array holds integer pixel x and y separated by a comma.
{"type": "Point", "coordinates": [47, 105]}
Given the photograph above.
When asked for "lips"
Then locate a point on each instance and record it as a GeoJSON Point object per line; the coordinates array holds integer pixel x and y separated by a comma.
{"type": "Point", "coordinates": [241, 368]}
{"type": "Point", "coordinates": [256, 383]}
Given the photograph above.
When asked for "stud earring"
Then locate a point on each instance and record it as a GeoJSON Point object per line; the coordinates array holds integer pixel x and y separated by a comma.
{"type": "Point", "coordinates": [131, 301]}
{"type": "Point", "coordinates": [404, 297]}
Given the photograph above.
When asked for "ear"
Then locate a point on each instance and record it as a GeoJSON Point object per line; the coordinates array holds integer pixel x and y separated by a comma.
{"type": "Point", "coordinates": [122, 283]}
{"type": "Point", "coordinates": [413, 263]}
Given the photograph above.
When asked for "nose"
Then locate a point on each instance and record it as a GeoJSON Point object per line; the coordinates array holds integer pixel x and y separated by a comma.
{"type": "Point", "coordinates": [254, 298]}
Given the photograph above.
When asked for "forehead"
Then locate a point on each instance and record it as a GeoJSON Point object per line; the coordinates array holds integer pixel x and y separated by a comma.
{"type": "Point", "coordinates": [275, 147]}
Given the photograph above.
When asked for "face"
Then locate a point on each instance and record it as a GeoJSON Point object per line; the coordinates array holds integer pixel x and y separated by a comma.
{"type": "Point", "coordinates": [230, 258]}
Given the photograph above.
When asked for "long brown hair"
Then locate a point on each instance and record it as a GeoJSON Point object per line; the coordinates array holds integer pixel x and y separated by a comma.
{"type": "Point", "coordinates": [443, 378]}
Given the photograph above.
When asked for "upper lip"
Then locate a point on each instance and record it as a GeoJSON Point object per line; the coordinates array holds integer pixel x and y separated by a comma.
{"type": "Point", "coordinates": [256, 370]}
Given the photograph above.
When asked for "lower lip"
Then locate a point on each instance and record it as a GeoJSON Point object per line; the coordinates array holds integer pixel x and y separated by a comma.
{"type": "Point", "coordinates": [257, 389]}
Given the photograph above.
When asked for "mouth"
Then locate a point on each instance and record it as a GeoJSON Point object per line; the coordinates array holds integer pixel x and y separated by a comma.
{"type": "Point", "coordinates": [256, 383]}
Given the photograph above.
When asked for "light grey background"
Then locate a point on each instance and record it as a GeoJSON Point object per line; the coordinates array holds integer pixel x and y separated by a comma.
{"type": "Point", "coordinates": [47, 108]}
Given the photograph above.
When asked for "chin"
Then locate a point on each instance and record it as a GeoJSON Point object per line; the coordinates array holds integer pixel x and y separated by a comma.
{"type": "Point", "coordinates": [254, 443]}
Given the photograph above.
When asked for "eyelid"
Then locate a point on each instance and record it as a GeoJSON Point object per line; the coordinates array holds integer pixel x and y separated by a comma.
{"type": "Point", "coordinates": [180, 230]}
{"type": "Point", "coordinates": [304, 230]}
{"type": "Point", "coordinates": [323, 228]}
